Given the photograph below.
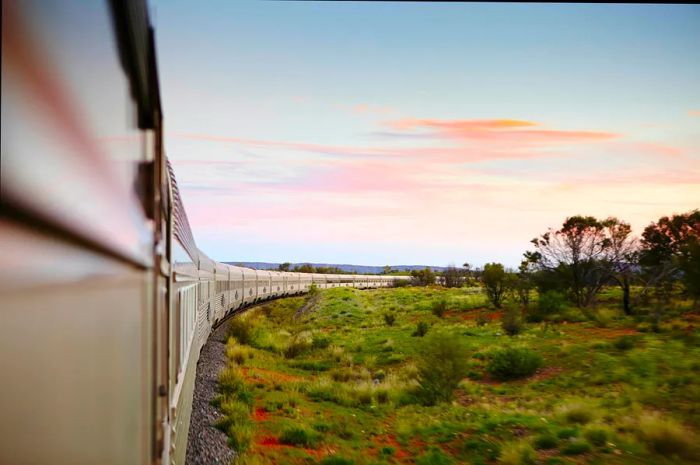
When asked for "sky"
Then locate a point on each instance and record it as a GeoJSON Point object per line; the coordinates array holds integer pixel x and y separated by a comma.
{"type": "Point", "coordinates": [395, 133]}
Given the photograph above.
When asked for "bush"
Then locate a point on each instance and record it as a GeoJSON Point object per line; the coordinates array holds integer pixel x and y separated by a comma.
{"type": "Point", "coordinates": [442, 365]}
{"type": "Point", "coordinates": [434, 457]}
{"type": "Point", "coordinates": [320, 342]}
{"type": "Point", "coordinates": [666, 437]}
{"type": "Point", "coordinates": [576, 447]}
{"type": "Point", "coordinates": [545, 441]}
{"type": "Point", "coordinates": [439, 307]}
{"type": "Point", "coordinates": [549, 303]}
{"type": "Point", "coordinates": [597, 436]}
{"type": "Point", "coordinates": [421, 329]}
{"type": "Point", "coordinates": [513, 363]}
{"type": "Point", "coordinates": [511, 322]}
{"type": "Point", "coordinates": [335, 460]}
{"type": "Point", "coordinates": [517, 454]}
{"type": "Point", "coordinates": [482, 318]}
{"type": "Point", "coordinates": [298, 437]}
{"type": "Point", "coordinates": [578, 413]}
{"type": "Point", "coordinates": [238, 354]}
{"type": "Point", "coordinates": [389, 319]}
{"type": "Point", "coordinates": [242, 328]}
{"type": "Point", "coordinates": [624, 343]}
{"type": "Point", "coordinates": [237, 424]}
{"type": "Point", "coordinates": [296, 347]}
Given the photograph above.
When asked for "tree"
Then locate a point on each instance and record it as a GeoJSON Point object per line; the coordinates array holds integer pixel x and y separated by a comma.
{"type": "Point", "coordinates": [670, 250]}
{"type": "Point", "coordinates": [453, 276]}
{"type": "Point", "coordinates": [284, 266]}
{"type": "Point", "coordinates": [523, 283]}
{"type": "Point", "coordinates": [622, 257]}
{"type": "Point", "coordinates": [305, 268]}
{"type": "Point", "coordinates": [495, 280]}
{"type": "Point", "coordinates": [442, 364]}
{"type": "Point", "coordinates": [386, 269]}
{"type": "Point", "coordinates": [423, 277]}
{"type": "Point", "coordinates": [579, 255]}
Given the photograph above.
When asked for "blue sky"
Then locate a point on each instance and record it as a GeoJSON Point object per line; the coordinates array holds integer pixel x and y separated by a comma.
{"type": "Point", "coordinates": [424, 133]}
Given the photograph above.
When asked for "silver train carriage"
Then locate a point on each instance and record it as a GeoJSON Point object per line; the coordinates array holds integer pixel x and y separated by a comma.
{"type": "Point", "coordinates": [106, 299]}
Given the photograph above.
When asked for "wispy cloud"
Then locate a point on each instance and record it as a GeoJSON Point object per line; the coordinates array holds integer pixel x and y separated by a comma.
{"type": "Point", "coordinates": [497, 130]}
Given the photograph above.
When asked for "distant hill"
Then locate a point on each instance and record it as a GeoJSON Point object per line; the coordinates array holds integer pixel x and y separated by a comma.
{"type": "Point", "coordinates": [359, 269]}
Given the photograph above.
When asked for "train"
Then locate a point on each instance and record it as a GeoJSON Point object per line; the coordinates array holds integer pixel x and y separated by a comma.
{"type": "Point", "coordinates": [106, 300]}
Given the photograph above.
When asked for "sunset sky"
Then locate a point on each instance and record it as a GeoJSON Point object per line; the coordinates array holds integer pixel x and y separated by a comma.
{"type": "Point", "coordinates": [424, 133]}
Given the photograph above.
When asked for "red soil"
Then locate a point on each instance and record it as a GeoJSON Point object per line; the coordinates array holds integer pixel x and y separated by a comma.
{"type": "Point", "coordinates": [390, 440]}
{"type": "Point", "coordinates": [260, 414]}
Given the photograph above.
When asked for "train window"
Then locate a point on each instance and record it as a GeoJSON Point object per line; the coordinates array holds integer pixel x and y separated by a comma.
{"type": "Point", "coordinates": [250, 292]}
{"type": "Point", "coordinates": [235, 296]}
{"type": "Point", "coordinates": [209, 311]}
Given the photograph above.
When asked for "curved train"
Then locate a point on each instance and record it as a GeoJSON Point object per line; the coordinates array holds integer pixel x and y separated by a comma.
{"type": "Point", "coordinates": [106, 299]}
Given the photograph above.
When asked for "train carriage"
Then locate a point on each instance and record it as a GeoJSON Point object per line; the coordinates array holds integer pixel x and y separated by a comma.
{"type": "Point", "coordinates": [107, 301]}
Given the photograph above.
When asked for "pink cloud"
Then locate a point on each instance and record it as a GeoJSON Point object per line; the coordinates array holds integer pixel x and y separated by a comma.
{"type": "Point", "coordinates": [497, 130]}
{"type": "Point", "coordinates": [694, 112]}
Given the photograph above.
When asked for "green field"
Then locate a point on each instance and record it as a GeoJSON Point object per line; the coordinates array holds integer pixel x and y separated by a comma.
{"type": "Point", "coordinates": [327, 379]}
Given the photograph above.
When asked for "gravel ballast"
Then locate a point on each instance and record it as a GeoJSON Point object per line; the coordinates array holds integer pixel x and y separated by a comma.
{"type": "Point", "coordinates": [206, 444]}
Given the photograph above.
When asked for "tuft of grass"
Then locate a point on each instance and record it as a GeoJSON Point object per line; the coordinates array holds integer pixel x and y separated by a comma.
{"type": "Point", "coordinates": [576, 447]}
{"type": "Point", "coordinates": [511, 322]}
{"type": "Point", "coordinates": [421, 329]}
{"type": "Point", "coordinates": [242, 328]}
{"type": "Point", "coordinates": [667, 437]}
{"type": "Point", "coordinates": [545, 441]}
{"type": "Point", "coordinates": [578, 412]}
{"type": "Point", "coordinates": [337, 460]}
{"type": "Point", "coordinates": [517, 454]}
{"type": "Point", "coordinates": [513, 363]}
{"type": "Point", "coordinates": [597, 435]}
{"type": "Point", "coordinates": [442, 365]}
{"type": "Point", "coordinates": [434, 457]}
{"type": "Point", "coordinates": [439, 307]}
{"type": "Point", "coordinates": [389, 319]}
{"type": "Point", "coordinates": [296, 436]}
{"type": "Point", "coordinates": [624, 343]}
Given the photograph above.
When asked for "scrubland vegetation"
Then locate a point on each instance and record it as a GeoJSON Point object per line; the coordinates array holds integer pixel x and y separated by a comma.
{"type": "Point", "coordinates": [588, 353]}
{"type": "Point", "coordinates": [343, 383]}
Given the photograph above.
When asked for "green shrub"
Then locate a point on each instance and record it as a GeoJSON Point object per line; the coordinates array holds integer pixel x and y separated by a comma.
{"type": "Point", "coordinates": [389, 319]}
{"type": "Point", "coordinates": [439, 307]}
{"type": "Point", "coordinates": [298, 437]}
{"type": "Point", "coordinates": [597, 436]}
{"type": "Point", "coordinates": [624, 343]}
{"type": "Point", "coordinates": [238, 354]}
{"type": "Point", "coordinates": [511, 321]}
{"type": "Point", "coordinates": [421, 329]}
{"type": "Point", "coordinates": [434, 457]}
{"type": "Point", "coordinates": [320, 342]}
{"type": "Point", "coordinates": [578, 413]}
{"type": "Point", "coordinates": [482, 318]}
{"type": "Point", "coordinates": [545, 441]}
{"type": "Point", "coordinates": [667, 437]}
{"type": "Point", "coordinates": [336, 460]}
{"type": "Point", "coordinates": [576, 447]}
{"type": "Point", "coordinates": [442, 364]}
{"type": "Point", "coordinates": [517, 454]}
{"type": "Point", "coordinates": [231, 381]}
{"type": "Point", "coordinates": [513, 363]}
{"type": "Point", "coordinates": [237, 424]}
{"type": "Point", "coordinates": [297, 346]}
{"type": "Point", "coordinates": [242, 328]}
{"type": "Point", "coordinates": [550, 303]}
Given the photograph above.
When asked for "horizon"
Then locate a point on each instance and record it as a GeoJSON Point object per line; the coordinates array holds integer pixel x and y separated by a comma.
{"type": "Point", "coordinates": [425, 133]}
